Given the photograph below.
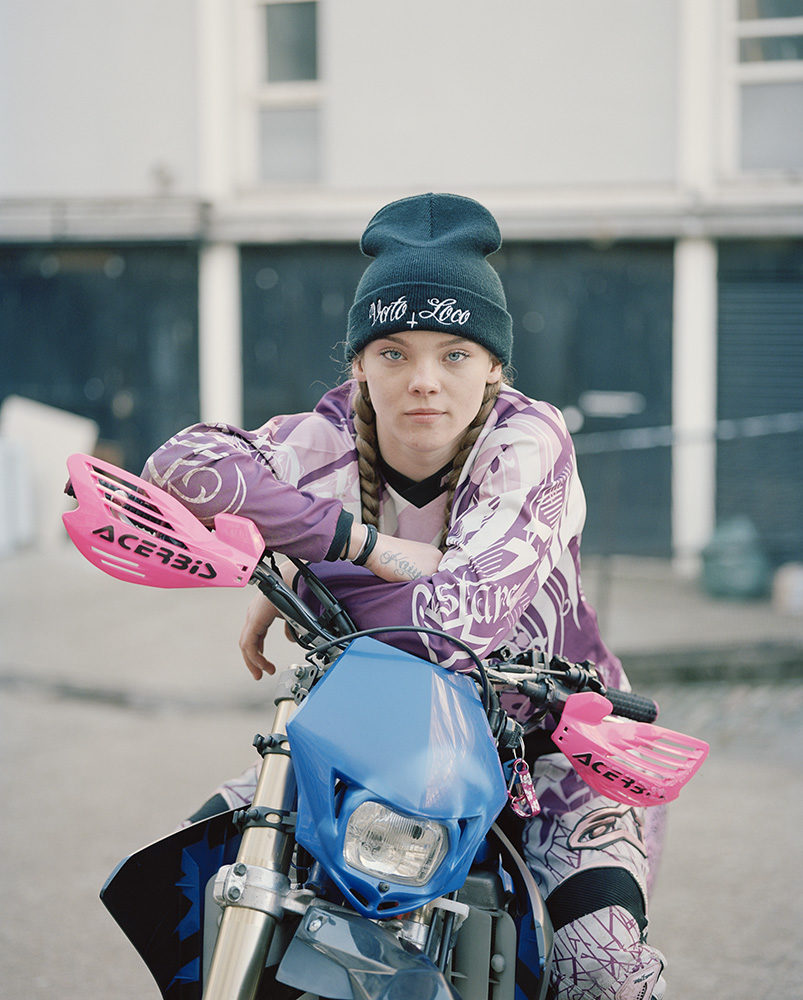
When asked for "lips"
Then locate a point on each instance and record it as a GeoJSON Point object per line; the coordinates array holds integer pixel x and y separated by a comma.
{"type": "Point", "coordinates": [424, 413]}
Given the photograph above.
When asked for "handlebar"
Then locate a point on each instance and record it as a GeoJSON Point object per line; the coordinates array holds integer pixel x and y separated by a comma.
{"type": "Point", "coordinates": [631, 705]}
{"type": "Point", "coordinates": [308, 629]}
{"type": "Point", "coordinates": [546, 685]}
{"type": "Point", "coordinates": [167, 546]}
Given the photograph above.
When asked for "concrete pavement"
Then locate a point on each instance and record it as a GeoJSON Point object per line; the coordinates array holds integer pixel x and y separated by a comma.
{"type": "Point", "coordinates": [665, 627]}
{"type": "Point", "coordinates": [122, 706]}
{"type": "Point", "coordinates": [65, 624]}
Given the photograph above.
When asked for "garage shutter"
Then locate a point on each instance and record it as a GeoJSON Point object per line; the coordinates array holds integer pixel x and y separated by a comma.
{"type": "Point", "coordinates": [760, 359]}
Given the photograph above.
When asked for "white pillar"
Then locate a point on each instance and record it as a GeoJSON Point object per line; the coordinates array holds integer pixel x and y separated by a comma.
{"type": "Point", "coordinates": [217, 109]}
{"type": "Point", "coordinates": [219, 312]}
{"type": "Point", "coordinates": [694, 399]}
{"type": "Point", "coordinates": [699, 70]}
{"type": "Point", "coordinates": [694, 337]}
{"type": "Point", "coordinates": [219, 333]}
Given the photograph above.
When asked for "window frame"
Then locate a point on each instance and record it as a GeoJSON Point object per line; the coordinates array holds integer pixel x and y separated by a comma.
{"type": "Point", "coordinates": [256, 92]}
{"type": "Point", "coordinates": [735, 74]}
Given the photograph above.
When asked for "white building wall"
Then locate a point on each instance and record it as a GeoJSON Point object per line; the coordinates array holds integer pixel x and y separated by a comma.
{"type": "Point", "coordinates": [469, 93]}
{"type": "Point", "coordinates": [97, 98]}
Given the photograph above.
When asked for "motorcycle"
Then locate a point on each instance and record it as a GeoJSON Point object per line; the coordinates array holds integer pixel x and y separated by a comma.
{"type": "Point", "coordinates": [378, 859]}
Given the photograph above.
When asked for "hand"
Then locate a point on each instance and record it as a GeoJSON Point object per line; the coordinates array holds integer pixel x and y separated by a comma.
{"type": "Point", "coordinates": [258, 619]}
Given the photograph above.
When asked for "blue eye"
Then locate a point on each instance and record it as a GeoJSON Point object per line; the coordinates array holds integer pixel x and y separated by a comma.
{"type": "Point", "coordinates": [391, 354]}
{"type": "Point", "coordinates": [456, 355]}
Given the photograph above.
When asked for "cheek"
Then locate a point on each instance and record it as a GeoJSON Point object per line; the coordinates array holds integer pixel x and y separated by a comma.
{"type": "Point", "coordinates": [474, 393]}
{"type": "Point", "coordinates": [381, 394]}
{"type": "Point", "coordinates": [476, 402]}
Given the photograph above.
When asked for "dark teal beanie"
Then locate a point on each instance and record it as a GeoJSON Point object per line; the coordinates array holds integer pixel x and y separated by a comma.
{"type": "Point", "coordinates": [430, 272]}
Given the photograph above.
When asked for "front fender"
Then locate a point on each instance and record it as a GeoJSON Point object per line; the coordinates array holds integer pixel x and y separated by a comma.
{"type": "Point", "coordinates": [340, 954]}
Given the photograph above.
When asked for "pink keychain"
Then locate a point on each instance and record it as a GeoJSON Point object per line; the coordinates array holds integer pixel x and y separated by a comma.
{"type": "Point", "coordinates": [525, 804]}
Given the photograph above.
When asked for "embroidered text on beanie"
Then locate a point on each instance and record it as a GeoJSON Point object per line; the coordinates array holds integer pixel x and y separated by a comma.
{"type": "Point", "coordinates": [430, 272]}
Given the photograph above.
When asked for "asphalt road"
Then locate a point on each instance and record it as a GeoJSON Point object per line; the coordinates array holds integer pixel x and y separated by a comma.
{"type": "Point", "coordinates": [85, 783]}
{"type": "Point", "coordinates": [117, 718]}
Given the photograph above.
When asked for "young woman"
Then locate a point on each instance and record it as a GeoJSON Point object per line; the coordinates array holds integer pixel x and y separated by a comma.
{"type": "Point", "coordinates": [429, 492]}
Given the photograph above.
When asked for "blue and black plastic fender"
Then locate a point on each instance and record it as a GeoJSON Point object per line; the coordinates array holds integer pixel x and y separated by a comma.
{"type": "Point", "coordinates": [157, 896]}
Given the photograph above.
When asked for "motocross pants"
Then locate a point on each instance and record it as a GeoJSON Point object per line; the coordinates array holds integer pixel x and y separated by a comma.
{"type": "Point", "coordinates": [593, 860]}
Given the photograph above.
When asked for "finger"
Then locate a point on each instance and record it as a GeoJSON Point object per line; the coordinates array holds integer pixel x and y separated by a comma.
{"type": "Point", "coordinates": [253, 669]}
{"type": "Point", "coordinates": [251, 645]}
{"type": "Point", "coordinates": [249, 658]}
{"type": "Point", "coordinates": [257, 664]}
{"type": "Point", "coordinates": [264, 664]}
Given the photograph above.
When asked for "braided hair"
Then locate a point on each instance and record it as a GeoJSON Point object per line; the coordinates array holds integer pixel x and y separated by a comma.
{"type": "Point", "coordinates": [367, 454]}
{"type": "Point", "coordinates": [367, 445]}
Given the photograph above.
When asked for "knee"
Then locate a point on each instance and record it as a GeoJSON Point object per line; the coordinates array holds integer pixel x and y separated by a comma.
{"type": "Point", "coordinates": [601, 955]}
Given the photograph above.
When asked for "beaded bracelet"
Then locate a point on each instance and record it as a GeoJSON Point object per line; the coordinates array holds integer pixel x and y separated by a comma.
{"type": "Point", "coordinates": [371, 535]}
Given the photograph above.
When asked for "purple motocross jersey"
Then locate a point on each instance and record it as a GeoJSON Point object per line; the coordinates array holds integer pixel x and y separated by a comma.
{"type": "Point", "coordinates": [510, 575]}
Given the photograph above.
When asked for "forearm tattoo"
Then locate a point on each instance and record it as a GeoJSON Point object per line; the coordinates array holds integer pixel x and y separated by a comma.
{"type": "Point", "coordinates": [403, 566]}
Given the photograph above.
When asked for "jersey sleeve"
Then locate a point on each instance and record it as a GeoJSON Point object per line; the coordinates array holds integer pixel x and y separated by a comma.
{"type": "Point", "coordinates": [514, 519]}
{"type": "Point", "coordinates": [218, 468]}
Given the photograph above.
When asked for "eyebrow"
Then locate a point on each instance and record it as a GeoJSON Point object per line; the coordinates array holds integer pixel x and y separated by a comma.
{"type": "Point", "coordinates": [401, 338]}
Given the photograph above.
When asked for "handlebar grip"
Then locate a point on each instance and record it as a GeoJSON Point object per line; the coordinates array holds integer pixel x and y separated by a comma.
{"type": "Point", "coordinates": [632, 706]}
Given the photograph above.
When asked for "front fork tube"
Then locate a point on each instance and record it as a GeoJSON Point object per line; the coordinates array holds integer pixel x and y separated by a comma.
{"type": "Point", "coordinates": [245, 933]}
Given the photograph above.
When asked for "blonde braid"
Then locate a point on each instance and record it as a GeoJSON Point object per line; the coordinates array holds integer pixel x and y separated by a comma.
{"type": "Point", "coordinates": [489, 397]}
{"type": "Point", "coordinates": [367, 454]}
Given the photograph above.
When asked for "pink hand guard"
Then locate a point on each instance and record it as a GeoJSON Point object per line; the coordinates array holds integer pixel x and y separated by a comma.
{"type": "Point", "coordinates": [135, 531]}
{"type": "Point", "coordinates": [634, 762]}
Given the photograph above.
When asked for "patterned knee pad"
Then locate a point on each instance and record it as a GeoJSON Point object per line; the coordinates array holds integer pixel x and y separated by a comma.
{"type": "Point", "coordinates": [601, 956]}
{"type": "Point", "coordinates": [593, 859]}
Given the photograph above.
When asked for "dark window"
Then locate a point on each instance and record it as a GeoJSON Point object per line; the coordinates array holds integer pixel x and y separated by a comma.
{"type": "Point", "coordinates": [292, 42]}
{"type": "Point", "coordinates": [761, 9]}
{"type": "Point", "coordinates": [109, 333]}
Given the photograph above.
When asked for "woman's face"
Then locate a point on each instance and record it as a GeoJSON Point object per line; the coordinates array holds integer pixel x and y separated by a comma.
{"type": "Point", "coordinates": [426, 388]}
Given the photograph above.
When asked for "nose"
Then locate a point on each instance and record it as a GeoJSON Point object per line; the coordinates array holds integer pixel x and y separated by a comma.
{"type": "Point", "coordinates": [424, 378]}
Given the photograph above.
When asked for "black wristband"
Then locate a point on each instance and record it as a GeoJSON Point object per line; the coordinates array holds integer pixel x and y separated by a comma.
{"type": "Point", "coordinates": [371, 535]}
{"type": "Point", "coordinates": [342, 537]}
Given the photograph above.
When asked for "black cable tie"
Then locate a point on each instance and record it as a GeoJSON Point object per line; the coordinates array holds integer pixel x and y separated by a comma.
{"type": "Point", "coordinates": [271, 744]}
{"type": "Point", "coordinates": [258, 816]}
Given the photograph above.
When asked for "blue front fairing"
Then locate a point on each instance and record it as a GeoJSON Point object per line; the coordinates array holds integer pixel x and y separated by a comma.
{"type": "Point", "coordinates": [386, 726]}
